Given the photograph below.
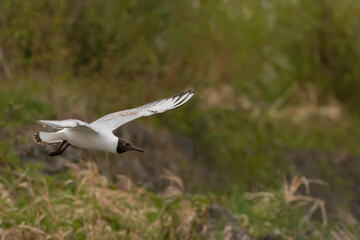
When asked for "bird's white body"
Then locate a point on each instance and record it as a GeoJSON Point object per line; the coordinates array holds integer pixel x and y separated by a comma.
{"type": "Point", "coordinates": [98, 135]}
{"type": "Point", "coordinates": [103, 141]}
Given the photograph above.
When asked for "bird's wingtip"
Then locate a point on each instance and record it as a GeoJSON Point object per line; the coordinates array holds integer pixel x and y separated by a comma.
{"type": "Point", "coordinates": [39, 122]}
{"type": "Point", "coordinates": [189, 91]}
{"type": "Point", "coordinates": [37, 138]}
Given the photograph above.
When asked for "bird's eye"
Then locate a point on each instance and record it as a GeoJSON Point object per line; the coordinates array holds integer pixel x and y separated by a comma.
{"type": "Point", "coordinates": [126, 144]}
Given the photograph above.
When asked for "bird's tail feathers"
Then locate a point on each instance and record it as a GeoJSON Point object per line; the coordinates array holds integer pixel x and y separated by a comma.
{"type": "Point", "coordinates": [47, 138]}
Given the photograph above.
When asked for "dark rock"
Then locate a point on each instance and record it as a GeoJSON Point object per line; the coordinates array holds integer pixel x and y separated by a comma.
{"type": "Point", "coordinates": [221, 217]}
{"type": "Point", "coordinates": [218, 212]}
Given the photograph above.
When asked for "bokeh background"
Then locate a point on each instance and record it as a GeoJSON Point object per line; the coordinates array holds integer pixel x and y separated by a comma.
{"type": "Point", "coordinates": [277, 94]}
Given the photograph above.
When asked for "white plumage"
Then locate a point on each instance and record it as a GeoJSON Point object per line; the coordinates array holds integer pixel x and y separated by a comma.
{"type": "Point", "coordinates": [98, 135]}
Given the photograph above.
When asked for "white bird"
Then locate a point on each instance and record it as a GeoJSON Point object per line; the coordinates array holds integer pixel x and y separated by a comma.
{"type": "Point", "coordinates": [99, 135]}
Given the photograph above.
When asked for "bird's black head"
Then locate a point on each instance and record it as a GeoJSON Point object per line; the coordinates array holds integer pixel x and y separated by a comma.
{"type": "Point", "coordinates": [124, 146]}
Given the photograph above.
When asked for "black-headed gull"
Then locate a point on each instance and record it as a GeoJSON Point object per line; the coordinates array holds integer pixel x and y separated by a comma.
{"type": "Point", "coordinates": [98, 135]}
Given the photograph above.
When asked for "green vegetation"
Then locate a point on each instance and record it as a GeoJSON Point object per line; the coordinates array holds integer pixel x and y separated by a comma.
{"type": "Point", "coordinates": [83, 204]}
{"type": "Point", "coordinates": [277, 97]}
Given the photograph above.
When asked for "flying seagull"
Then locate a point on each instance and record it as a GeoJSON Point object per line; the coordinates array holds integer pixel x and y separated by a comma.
{"type": "Point", "coordinates": [99, 135]}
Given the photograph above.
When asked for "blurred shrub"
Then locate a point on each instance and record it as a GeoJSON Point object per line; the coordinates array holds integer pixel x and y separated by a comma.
{"type": "Point", "coordinates": [21, 105]}
{"type": "Point", "coordinates": [259, 47]}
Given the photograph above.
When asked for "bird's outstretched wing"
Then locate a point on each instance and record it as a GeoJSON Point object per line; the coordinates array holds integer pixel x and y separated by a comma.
{"type": "Point", "coordinates": [113, 121]}
{"type": "Point", "coordinates": [69, 123]}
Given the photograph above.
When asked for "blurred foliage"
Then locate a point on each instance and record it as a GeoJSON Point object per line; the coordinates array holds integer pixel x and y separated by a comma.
{"type": "Point", "coordinates": [19, 104]}
{"type": "Point", "coordinates": [289, 66]}
{"type": "Point", "coordinates": [60, 51]}
{"type": "Point", "coordinates": [259, 47]}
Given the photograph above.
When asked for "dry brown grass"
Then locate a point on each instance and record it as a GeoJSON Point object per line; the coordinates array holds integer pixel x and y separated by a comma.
{"type": "Point", "coordinates": [291, 195]}
{"type": "Point", "coordinates": [175, 186]}
{"type": "Point", "coordinates": [88, 206]}
{"type": "Point", "coordinates": [96, 206]}
{"type": "Point", "coordinates": [302, 103]}
{"type": "Point", "coordinates": [96, 209]}
{"type": "Point", "coordinates": [338, 233]}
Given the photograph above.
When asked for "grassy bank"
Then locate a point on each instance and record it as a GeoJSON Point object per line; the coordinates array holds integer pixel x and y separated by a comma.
{"type": "Point", "coordinates": [83, 204]}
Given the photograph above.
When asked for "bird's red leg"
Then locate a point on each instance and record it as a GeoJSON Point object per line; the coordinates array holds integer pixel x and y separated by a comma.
{"type": "Point", "coordinates": [59, 151]}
